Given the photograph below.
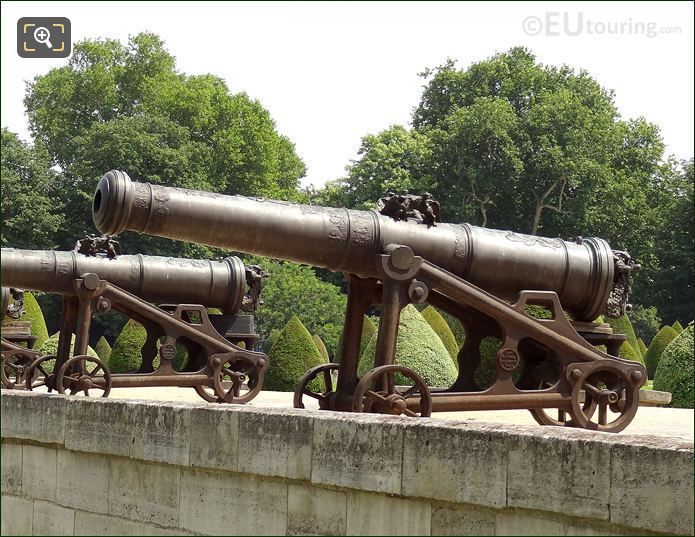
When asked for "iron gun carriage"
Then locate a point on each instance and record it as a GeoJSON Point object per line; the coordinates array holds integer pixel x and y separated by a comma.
{"type": "Point", "coordinates": [99, 280]}
{"type": "Point", "coordinates": [403, 254]}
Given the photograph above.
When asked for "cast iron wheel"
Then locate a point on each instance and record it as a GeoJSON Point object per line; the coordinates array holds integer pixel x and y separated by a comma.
{"type": "Point", "coordinates": [74, 375]}
{"type": "Point", "coordinates": [14, 366]}
{"type": "Point", "coordinates": [609, 388]}
{"type": "Point", "coordinates": [382, 402]}
{"type": "Point", "coordinates": [38, 375]}
{"type": "Point", "coordinates": [564, 417]}
{"type": "Point", "coordinates": [229, 375]}
{"type": "Point", "coordinates": [328, 387]}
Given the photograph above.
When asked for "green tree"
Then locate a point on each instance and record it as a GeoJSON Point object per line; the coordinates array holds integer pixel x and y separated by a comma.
{"type": "Point", "coordinates": [645, 321]}
{"type": "Point", "coordinates": [441, 328]}
{"type": "Point", "coordinates": [678, 327]}
{"type": "Point", "coordinates": [33, 314]}
{"type": "Point", "coordinates": [294, 289]}
{"type": "Point", "coordinates": [30, 212]}
{"type": "Point", "coordinates": [642, 347]}
{"type": "Point", "coordinates": [103, 349]}
{"type": "Point", "coordinates": [675, 371]}
{"type": "Point", "coordinates": [622, 325]}
{"type": "Point", "coordinates": [417, 347]}
{"type": "Point", "coordinates": [656, 348]}
{"type": "Point", "coordinates": [293, 353]}
{"type": "Point", "coordinates": [320, 347]}
{"type": "Point", "coordinates": [126, 106]}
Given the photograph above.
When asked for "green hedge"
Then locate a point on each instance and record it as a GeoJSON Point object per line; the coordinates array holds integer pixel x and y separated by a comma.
{"type": "Point", "coordinates": [417, 347]}
{"type": "Point", "coordinates": [321, 347]}
{"type": "Point", "coordinates": [626, 351]}
{"type": "Point", "coordinates": [292, 355]}
{"type": "Point", "coordinates": [642, 347]}
{"type": "Point", "coordinates": [103, 349]}
{"type": "Point", "coordinates": [661, 340]}
{"type": "Point", "coordinates": [369, 328]}
{"type": "Point", "coordinates": [126, 354]}
{"type": "Point", "coordinates": [441, 328]}
{"type": "Point", "coordinates": [50, 347]}
{"type": "Point", "coordinates": [678, 327]}
{"type": "Point", "coordinates": [622, 325]}
{"type": "Point", "coordinates": [674, 373]}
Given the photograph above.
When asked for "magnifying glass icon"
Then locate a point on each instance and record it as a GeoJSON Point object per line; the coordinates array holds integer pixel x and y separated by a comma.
{"type": "Point", "coordinates": [42, 35]}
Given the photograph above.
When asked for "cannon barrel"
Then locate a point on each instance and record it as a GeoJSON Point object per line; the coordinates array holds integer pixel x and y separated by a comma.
{"type": "Point", "coordinates": [583, 273]}
{"type": "Point", "coordinates": [215, 284]}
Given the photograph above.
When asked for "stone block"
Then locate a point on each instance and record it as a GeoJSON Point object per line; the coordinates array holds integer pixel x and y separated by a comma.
{"type": "Point", "coordinates": [39, 472]}
{"type": "Point", "coordinates": [32, 416]}
{"type": "Point", "coordinates": [519, 523]}
{"type": "Point", "coordinates": [221, 503]}
{"type": "Point", "coordinates": [456, 463]}
{"type": "Point", "coordinates": [652, 488]}
{"type": "Point", "coordinates": [83, 481]}
{"type": "Point", "coordinates": [358, 451]}
{"type": "Point", "coordinates": [52, 519]}
{"type": "Point", "coordinates": [559, 474]}
{"type": "Point", "coordinates": [462, 519]}
{"type": "Point", "coordinates": [161, 432]}
{"type": "Point", "coordinates": [16, 515]}
{"type": "Point", "coordinates": [96, 524]}
{"type": "Point", "coordinates": [144, 491]}
{"type": "Point", "coordinates": [11, 464]}
{"type": "Point", "coordinates": [316, 511]}
{"type": "Point", "coordinates": [276, 443]}
{"type": "Point", "coordinates": [214, 438]}
{"type": "Point", "coordinates": [378, 514]}
{"type": "Point", "coordinates": [99, 426]}
{"type": "Point", "coordinates": [149, 529]}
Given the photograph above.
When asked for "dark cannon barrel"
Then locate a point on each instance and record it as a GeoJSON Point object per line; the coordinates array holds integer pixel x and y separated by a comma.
{"type": "Point", "coordinates": [586, 274]}
{"type": "Point", "coordinates": [215, 284]}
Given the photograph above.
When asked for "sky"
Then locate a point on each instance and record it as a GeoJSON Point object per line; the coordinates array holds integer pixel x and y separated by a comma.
{"type": "Point", "coordinates": [330, 73]}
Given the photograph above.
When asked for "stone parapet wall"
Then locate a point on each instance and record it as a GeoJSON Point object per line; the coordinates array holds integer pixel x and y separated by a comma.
{"type": "Point", "coordinates": [77, 466]}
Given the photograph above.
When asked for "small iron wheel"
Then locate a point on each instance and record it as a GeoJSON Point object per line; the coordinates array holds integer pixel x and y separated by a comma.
{"type": "Point", "coordinates": [366, 399]}
{"type": "Point", "coordinates": [38, 375]}
{"type": "Point", "coordinates": [564, 417]}
{"type": "Point", "coordinates": [235, 379]}
{"type": "Point", "coordinates": [13, 368]}
{"type": "Point", "coordinates": [74, 375]}
{"type": "Point", "coordinates": [327, 385]}
{"type": "Point", "coordinates": [609, 388]}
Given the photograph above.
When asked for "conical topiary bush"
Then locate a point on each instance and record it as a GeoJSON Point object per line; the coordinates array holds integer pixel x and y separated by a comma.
{"type": "Point", "coordinates": [678, 327]}
{"type": "Point", "coordinates": [268, 343]}
{"type": "Point", "coordinates": [369, 328]}
{"type": "Point", "coordinates": [292, 355]}
{"type": "Point", "coordinates": [323, 351]}
{"type": "Point", "coordinates": [626, 351]}
{"type": "Point", "coordinates": [33, 314]}
{"type": "Point", "coordinates": [103, 349]}
{"type": "Point", "coordinates": [441, 328]}
{"type": "Point", "coordinates": [622, 325]}
{"type": "Point", "coordinates": [417, 347]}
{"type": "Point", "coordinates": [50, 347]}
{"type": "Point", "coordinates": [675, 371]}
{"type": "Point", "coordinates": [126, 354]}
{"type": "Point", "coordinates": [661, 340]}
{"type": "Point", "coordinates": [642, 347]}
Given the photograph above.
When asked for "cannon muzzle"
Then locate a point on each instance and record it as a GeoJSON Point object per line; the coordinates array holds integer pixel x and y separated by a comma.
{"type": "Point", "coordinates": [215, 284]}
{"type": "Point", "coordinates": [587, 275]}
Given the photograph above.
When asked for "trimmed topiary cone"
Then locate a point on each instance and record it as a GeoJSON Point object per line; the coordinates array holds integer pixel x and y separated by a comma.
{"type": "Point", "coordinates": [369, 328]}
{"type": "Point", "coordinates": [626, 351]}
{"type": "Point", "coordinates": [126, 354]}
{"type": "Point", "coordinates": [622, 325]}
{"type": "Point", "coordinates": [675, 371]}
{"type": "Point", "coordinates": [323, 351]}
{"type": "Point", "coordinates": [292, 355]}
{"type": "Point", "coordinates": [661, 340]}
{"type": "Point", "coordinates": [103, 349]}
{"type": "Point", "coordinates": [678, 327]}
{"type": "Point", "coordinates": [417, 347]}
{"type": "Point", "coordinates": [34, 314]}
{"type": "Point", "coordinates": [642, 347]}
{"type": "Point", "coordinates": [441, 328]}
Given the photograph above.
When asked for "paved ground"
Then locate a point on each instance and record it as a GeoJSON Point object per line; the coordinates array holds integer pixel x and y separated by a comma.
{"type": "Point", "coordinates": [672, 422]}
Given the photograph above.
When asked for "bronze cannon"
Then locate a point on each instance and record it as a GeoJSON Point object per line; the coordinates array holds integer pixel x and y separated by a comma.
{"type": "Point", "coordinates": [94, 279]}
{"type": "Point", "coordinates": [402, 254]}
